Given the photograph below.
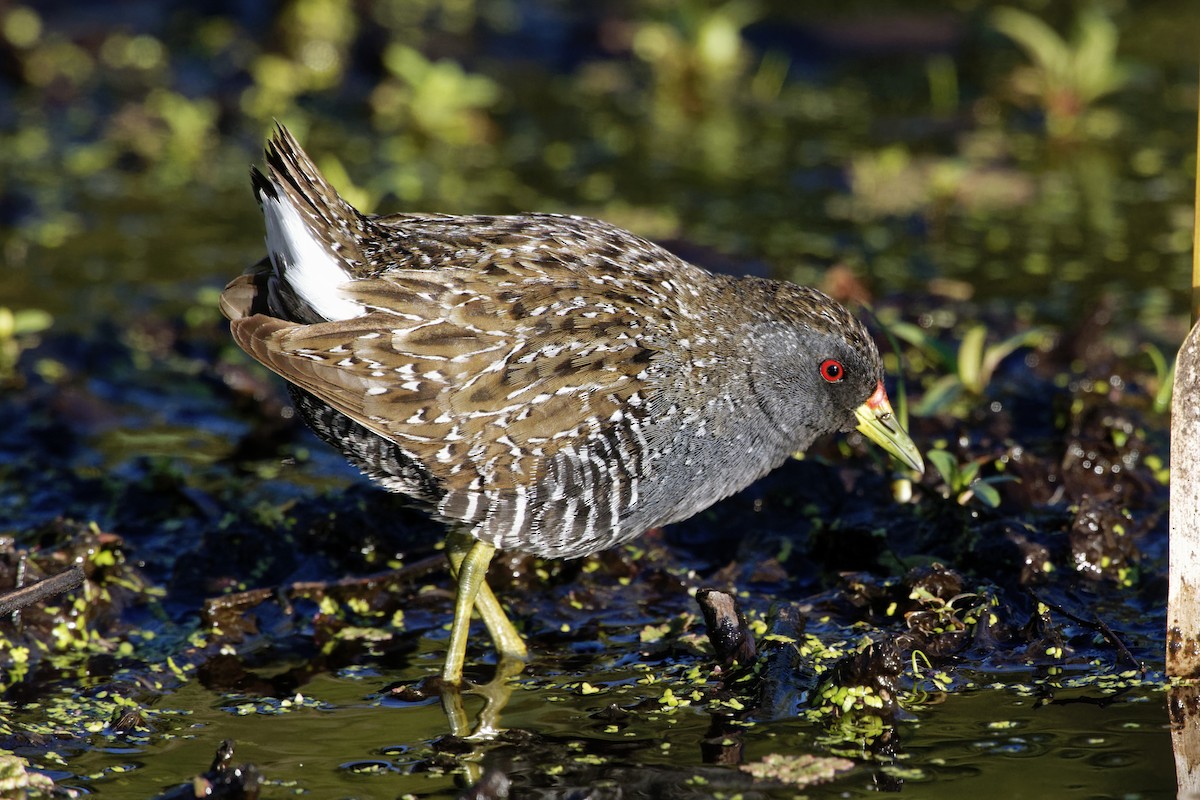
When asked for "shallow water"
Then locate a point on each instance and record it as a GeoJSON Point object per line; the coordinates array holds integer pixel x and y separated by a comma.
{"type": "Point", "coordinates": [342, 740]}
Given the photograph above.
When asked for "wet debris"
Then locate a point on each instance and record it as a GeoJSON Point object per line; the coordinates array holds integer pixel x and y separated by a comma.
{"type": "Point", "coordinates": [494, 785]}
{"type": "Point", "coordinates": [420, 692]}
{"type": "Point", "coordinates": [223, 781]}
{"type": "Point", "coordinates": [867, 680]}
{"type": "Point", "coordinates": [728, 632]}
{"type": "Point", "coordinates": [73, 590]}
{"type": "Point", "coordinates": [1102, 541]}
{"type": "Point", "coordinates": [781, 689]}
{"type": "Point", "coordinates": [1105, 447]}
{"type": "Point", "coordinates": [1098, 625]}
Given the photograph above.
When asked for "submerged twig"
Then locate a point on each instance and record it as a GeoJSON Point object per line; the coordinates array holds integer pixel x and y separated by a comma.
{"type": "Point", "coordinates": [406, 573]}
{"type": "Point", "coordinates": [1095, 624]}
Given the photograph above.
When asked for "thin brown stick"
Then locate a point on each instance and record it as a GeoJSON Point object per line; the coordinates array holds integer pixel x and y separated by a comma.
{"type": "Point", "coordinates": [1112, 637]}
{"type": "Point", "coordinates": [42, 590]}
{"type": "Point", "coordinates": [1095, 624]}
{"type": "Point", "coordinates": [406, 573]}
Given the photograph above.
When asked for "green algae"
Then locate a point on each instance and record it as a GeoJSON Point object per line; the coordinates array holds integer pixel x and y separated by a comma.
{"type": "Point", "coordinates": [797, 770]}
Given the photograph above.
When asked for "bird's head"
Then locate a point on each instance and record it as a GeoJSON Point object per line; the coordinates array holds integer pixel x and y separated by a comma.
{"type": "Point", "coordinates": [818, 371]}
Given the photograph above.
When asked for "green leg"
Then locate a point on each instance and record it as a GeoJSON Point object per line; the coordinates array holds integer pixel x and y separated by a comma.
{"type": "Point", "coordinates": [469, 561]}
{"type": "Point", "coordinates": [509, 644]}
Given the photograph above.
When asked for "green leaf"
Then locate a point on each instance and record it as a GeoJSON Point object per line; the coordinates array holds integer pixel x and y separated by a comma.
{"type": "Point", "coordinates": [1002, 350]}
{"type": "Point", "coordinates": [1096, 69]}
{"type": "Point", "coordinates": [970, 359]}
{"type": "Point", "coordinates": [1165, 375]}
{"type": "Point", "coordinates": [946, 465]}
{"type": "Point", "coordinates": [1157, 359]}
{"type": "Point", "coordinates": [1162, 398]}
{"type": "Point", "coordinates": [31, 320]}
{"type": "Point", "coordinates": [945, 390]}
{"type": "Point", "coordinates": [918, 337]}
{"type": "Point", "coordinates": [1041, 43]}
{"type": "Point", "coordinates": [987, 494]}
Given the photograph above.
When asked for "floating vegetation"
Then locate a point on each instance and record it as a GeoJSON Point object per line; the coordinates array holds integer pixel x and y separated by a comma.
{"type": "Point", "coordinates": [797, 770]}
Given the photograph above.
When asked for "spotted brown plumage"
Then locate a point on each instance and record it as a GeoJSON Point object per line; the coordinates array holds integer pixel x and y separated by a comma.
{"type": "Point", "coordinates": [547, 383]}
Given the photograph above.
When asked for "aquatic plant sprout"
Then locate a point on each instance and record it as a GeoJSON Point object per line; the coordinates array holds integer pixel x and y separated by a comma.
{"type": "Point", "coordinates": [1065, 78]}
{"type": "Point", "coordinates": [972, 364]}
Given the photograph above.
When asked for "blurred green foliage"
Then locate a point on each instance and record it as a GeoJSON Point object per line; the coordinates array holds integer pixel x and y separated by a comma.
{"type": "Point", "coordinates": [1021, 164]}
{"type": "Point", "coordinates": [1066, 78]}
{"type": "Point", "coordinates": [18, 332]}
{"type": "Point", "coordinates": [967, 370]}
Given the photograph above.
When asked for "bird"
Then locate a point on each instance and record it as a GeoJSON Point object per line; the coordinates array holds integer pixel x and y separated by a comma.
{"type": "Point", "coordinates": [541, 382]}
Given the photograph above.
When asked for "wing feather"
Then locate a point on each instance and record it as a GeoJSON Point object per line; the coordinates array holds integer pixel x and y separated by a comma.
{"type": "Point", "coordinates": [496, 374]}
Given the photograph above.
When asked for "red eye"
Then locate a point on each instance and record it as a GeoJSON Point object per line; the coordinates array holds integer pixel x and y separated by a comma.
{"type": "Point", "coordinates": [832, 370]}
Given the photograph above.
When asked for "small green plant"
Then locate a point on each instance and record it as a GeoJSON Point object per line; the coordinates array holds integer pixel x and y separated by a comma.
{"type": "Point", "coordinates": [438, 99]}
{"type": "Point", "coordinates": [18, 331]}
{"type": "Point", "coordinates": [1065, 78]}
{"type": "Point", "coordinates": [962, 480]}
{"type": "Point", "coordinates": [970, 367]}
{"type": "Point", "coordinates": [697, 54]}
{"type": "Point", "coordinates": [1164, 378]}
